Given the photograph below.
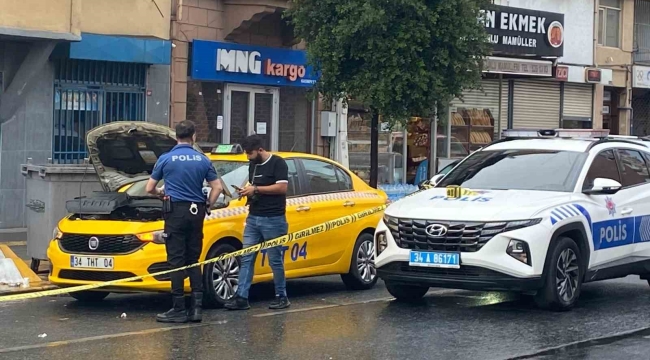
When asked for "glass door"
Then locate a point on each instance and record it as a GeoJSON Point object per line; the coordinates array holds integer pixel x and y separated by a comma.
{"type": "Point", "coordinates": [251, 110]}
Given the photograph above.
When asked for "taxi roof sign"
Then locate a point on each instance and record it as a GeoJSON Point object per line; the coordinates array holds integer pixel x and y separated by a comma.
{"type": "Point", "coordinates": [227, 149]}
{"type": "Point", "coordinates": [558, 133]}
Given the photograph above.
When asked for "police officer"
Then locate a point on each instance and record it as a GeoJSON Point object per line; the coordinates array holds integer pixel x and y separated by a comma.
{"type": "Point", "coordinates": [184, 208]}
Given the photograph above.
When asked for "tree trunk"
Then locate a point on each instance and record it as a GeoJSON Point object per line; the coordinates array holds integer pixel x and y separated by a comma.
{"type": "Point", "coordinates": [374, 148]}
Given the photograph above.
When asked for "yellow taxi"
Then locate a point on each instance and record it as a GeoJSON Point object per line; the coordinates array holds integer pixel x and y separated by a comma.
{"type": "Point", "coordinates": [117, 233]}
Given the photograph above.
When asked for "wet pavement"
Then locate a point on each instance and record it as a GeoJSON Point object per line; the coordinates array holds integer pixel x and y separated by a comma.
{"type": "Point", "coordinates": [328, 322]}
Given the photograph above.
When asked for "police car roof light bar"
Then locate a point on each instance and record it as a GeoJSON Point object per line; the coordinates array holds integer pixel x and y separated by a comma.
{"type": "Point", "coordinates": [554, 133]}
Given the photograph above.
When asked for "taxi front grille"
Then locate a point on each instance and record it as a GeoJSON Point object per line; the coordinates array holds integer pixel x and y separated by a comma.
{"type": "Point", "coordinates": [106, 244]}
{"type": "Point", "coordinates": [88, 275]}
{"type": "Point", "coordinates": [460, 236]}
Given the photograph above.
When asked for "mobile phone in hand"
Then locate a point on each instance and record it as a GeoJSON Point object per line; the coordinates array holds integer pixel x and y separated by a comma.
{"type": "Point", "coordinates": [237, 187]}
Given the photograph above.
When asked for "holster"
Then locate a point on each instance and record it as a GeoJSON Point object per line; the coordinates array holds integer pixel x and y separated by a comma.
{"type": "Point", "coordinates": [166, 206]}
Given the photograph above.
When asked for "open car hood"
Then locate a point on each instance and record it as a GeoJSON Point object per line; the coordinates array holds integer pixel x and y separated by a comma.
{"type": "Point", "coordinates": [124, 152]}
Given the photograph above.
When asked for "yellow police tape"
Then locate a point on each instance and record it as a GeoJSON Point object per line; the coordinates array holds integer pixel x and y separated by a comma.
{"type": "Point", "coordinates": [317, 229]}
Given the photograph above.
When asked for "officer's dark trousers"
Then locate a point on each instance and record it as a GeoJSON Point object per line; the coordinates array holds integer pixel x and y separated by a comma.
{"type": "Point", "coordinates": [184, 242]}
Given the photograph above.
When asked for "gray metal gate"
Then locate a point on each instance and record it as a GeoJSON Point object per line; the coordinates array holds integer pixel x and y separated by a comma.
{"type": "Point", "coordinates": [90, 93]}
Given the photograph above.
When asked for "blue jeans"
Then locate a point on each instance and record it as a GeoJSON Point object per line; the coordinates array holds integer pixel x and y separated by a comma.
{"type": "Point", "coordinates": [259, 229]}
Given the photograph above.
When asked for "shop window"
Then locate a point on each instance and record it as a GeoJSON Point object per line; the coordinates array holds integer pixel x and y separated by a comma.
{"type": "Point", "coordinates": [634, 170]}
{"type": "Point", "coordinates": [471, 129]}
{"type": "Point", "coordinates": [609, 23]}
{"type": "Point", "coordinates": [603, 166]}
{"type": "Point", "coordinates": [321, 177]}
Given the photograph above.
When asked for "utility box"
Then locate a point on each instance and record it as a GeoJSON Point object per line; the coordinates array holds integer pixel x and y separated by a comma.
{"type": "Point", "coordinates": [47, 188]}
{"type": "Point", "coordinates": [328, 124]}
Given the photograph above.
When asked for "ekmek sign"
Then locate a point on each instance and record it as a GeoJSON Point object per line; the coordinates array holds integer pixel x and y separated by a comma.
{"type": "Point", "coordinates": [237, 63]}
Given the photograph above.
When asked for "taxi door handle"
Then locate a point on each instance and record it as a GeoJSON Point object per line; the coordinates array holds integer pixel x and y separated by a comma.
{"type": "Point", "coordinates": [348, 203]}
{"type": "Point", "coordinates": [303, 208]}
{"type": "Point", "coordinates": [626, 211]}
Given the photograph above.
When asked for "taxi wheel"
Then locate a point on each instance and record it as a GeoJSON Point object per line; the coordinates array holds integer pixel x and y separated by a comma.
{"type": "Point", "coordinates": [563, 277]}
{"type": "Point", "coordinates": [363, 274]}
{"type": "Point", "coordinates": [89, 296]}
{"type": "Point", "coordinates": [221, 278]}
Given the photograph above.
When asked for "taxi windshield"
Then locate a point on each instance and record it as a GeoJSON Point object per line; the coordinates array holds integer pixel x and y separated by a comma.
{"type": "Point", "coordinates": [232, 173]}
{"type": "Point", "coordinates": [543, 170]}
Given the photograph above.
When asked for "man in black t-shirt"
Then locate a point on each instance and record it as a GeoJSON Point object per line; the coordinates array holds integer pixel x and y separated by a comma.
{"type": "Point", "coordinates": [267, 201]}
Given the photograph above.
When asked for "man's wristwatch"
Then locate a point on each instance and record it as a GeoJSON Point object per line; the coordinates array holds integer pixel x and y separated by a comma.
{"type": "Point", "coordinates": [255, 190]}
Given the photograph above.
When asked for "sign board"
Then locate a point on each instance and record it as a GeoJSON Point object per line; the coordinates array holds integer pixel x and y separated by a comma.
{"type": "Point", "coordinates": [641, 77]}
{"type": "Point", "coordinates": [246, 64]}
{"type": "Point", "coordinates": [518, 66]}
{"type": "Point", "coordinates": [562, 73]}
{"type": "Point", "coordinates": [593, 75]}
{"type": "Point", "coordinates": [518, 31]}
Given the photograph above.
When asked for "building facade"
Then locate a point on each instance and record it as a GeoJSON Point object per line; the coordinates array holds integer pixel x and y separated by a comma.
{"type": "Point", "coordinates": [239, 69]}
{"type": "Point", "coordinates": [65, 67]}
{"type": "Point", "coordinates": [541, 74]}
{"type": "Point", "coordinates": [614, 33]}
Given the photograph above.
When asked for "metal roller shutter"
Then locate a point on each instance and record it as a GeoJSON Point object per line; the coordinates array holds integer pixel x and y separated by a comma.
{"type": "Point", "coordinates": [578, 100]}
{"type": "Point", "coordinates": [536, 104]}
{"type": "Point", "coordinates": [487, 99]}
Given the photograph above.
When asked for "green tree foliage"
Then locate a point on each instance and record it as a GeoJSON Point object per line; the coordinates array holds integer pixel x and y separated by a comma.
{"type": "Point", "coordinates": [399, 56]}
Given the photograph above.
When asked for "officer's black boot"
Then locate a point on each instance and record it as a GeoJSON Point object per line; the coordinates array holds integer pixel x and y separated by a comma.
{"type": "Point", "coordinates": [176, 314]}
{"type": "Point", "coordinates": [196, 309]}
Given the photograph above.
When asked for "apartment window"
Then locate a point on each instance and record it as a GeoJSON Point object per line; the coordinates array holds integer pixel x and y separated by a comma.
{"type": "Point", "coordinates": [609, 23]}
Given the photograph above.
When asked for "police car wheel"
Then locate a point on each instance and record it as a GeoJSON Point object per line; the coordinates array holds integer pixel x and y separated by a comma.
{"type": "Point", "coordinates": [362, 274]}
{"type": "Point", "coordinates": [220, 279]}
{"type": "Point", "coordinates": [563, 277]}
{"type": "Point", "coordinates": [89, 296]}
{"type": "Point", "coordinates": [406, 293]}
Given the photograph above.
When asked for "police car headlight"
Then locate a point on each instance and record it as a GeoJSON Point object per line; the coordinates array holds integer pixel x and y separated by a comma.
{"type": "Point", "coordinates": [519, 250]}
{"type": "Point", "coordinates": [381, 242]}
{"type": "Point", "coordinates": [155, 237]}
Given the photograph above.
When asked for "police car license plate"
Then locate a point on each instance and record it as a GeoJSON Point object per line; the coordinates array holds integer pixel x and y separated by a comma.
{"type": "Point", "coordinates": [91, 262]}
{"type": "Point", "coordinates": [435, 259]}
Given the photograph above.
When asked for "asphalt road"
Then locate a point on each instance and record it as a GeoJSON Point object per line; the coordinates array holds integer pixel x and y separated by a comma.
{"type": "Point", "coordinates": [328, 322]}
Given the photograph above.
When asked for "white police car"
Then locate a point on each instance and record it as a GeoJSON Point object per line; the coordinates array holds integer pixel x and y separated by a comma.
{"type": "Point", "coordinates": [539, 211]}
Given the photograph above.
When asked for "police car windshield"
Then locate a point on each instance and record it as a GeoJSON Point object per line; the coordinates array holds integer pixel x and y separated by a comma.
{"type": "Point", "coordinates": [544, 170]}
{"type": "Point", "coordinates": [231, 172]}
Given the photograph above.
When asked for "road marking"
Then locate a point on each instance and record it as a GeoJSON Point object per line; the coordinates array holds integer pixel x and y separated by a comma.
{"type": "Point", "coordinates": [170, 328]}
{"type": "Point", "coordinates": [105, 337]}
{"type": "Point", "coordinates": [14, 243]}
{"type": "Point", "coordinates": [323, 307]}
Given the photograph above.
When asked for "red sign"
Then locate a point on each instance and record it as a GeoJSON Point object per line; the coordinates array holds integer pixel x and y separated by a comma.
{"type": "Point", "coordinates": [562, 73]}
{"type": "Point", "coordinates": [593, 75]}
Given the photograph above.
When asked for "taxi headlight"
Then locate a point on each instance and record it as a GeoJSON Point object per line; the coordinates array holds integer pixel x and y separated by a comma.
{"type": "Point", "coordinates": [381, 242]}
{"type": "Point", "coordinates": [155, 237]}
{"type": "Point", "coordinates": [56, 233]}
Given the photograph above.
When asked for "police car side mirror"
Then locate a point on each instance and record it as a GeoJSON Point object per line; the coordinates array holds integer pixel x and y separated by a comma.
{"type": "Point", "coordinates": [604, 186]}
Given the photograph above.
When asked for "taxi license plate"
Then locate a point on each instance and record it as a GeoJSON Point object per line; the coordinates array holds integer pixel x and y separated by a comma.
{"type": "Point", "coordinates": [435, 259]}
{"type": "Point", "coordinates": [91, 262]}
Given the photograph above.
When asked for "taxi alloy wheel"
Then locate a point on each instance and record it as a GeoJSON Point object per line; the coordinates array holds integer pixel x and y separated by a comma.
{"type": "Point", "coordinates": [366, 261]}
{"type": "Point", "coordinates": [221, 278]}
{"type": "Point", "coordinates": [225, 277]}
{"type": "Point", "coordinates": [363, 273]}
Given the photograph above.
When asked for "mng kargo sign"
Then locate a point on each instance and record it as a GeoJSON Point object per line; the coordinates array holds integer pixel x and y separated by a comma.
{"type": "Point", "coordinates": [246, 64]}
